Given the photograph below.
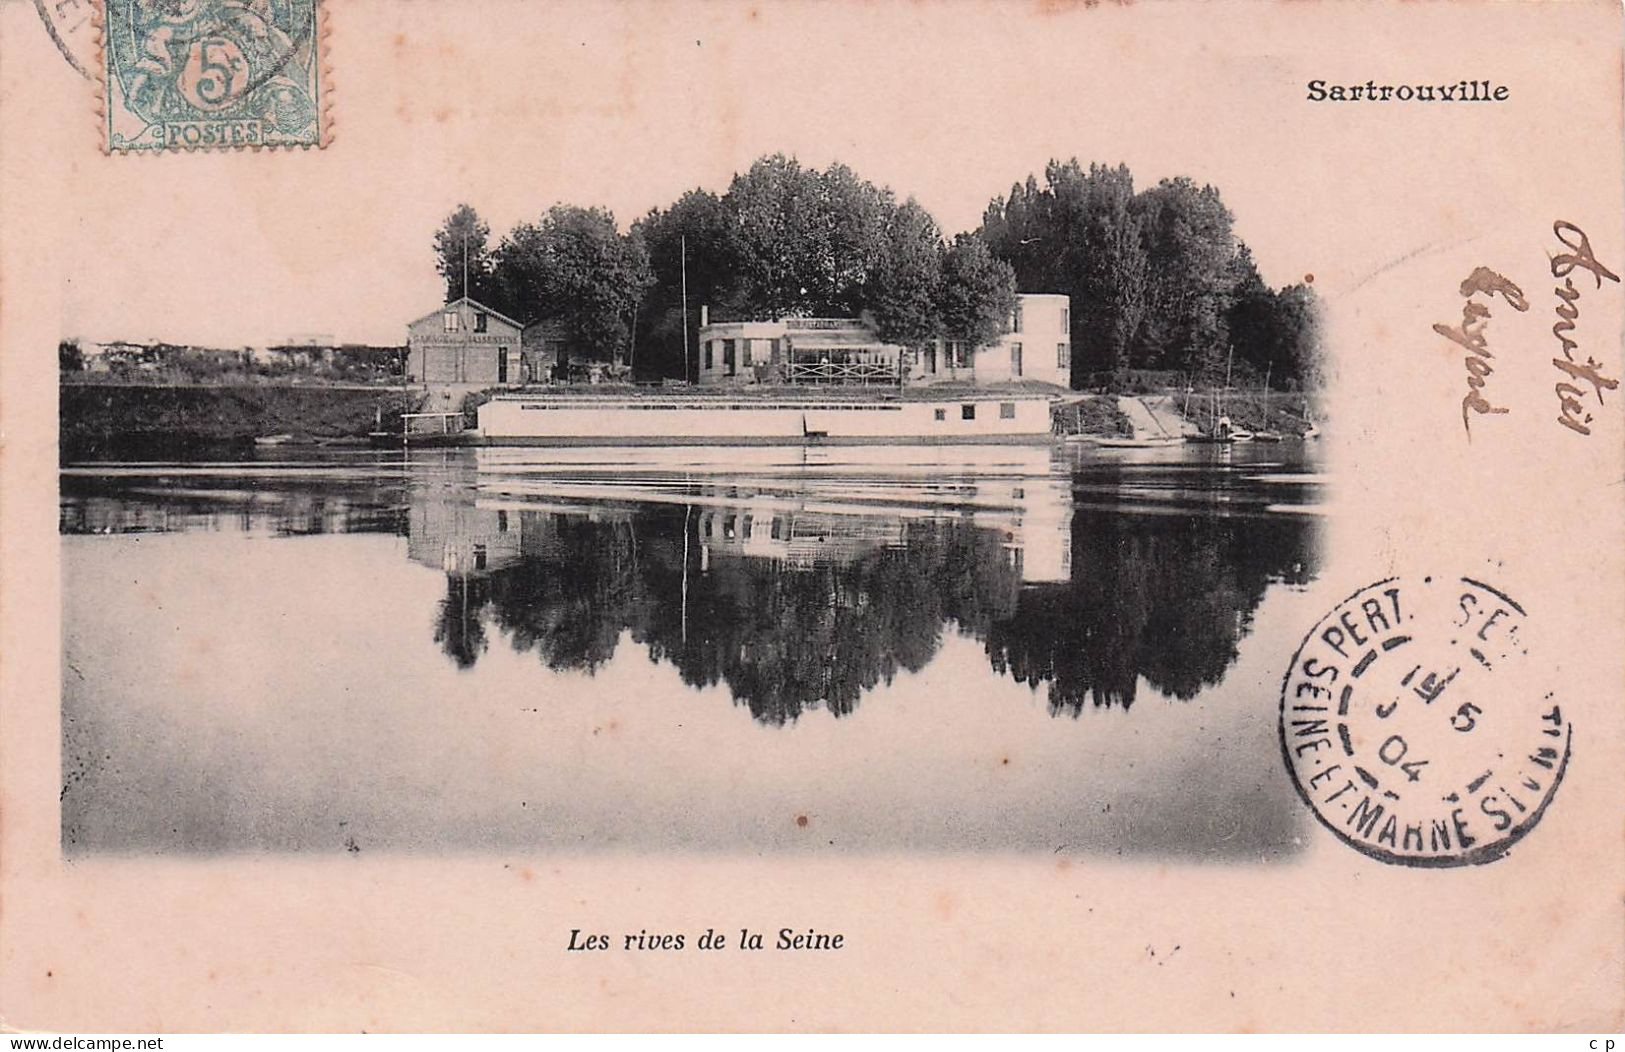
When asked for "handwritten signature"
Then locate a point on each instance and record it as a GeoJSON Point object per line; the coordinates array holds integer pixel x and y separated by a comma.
{"type": "Point", "coordinates": [1475, 318]}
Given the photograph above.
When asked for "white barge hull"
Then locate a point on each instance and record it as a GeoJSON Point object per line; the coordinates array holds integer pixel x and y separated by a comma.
{"type": "Point", "coordinates": [541, 420]}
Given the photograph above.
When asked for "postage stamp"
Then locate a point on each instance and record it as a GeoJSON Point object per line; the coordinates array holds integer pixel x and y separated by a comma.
{"type": "Point", "coordinates": [212, 74]}
{"type": "Point", "coordinates": [1415, 726]}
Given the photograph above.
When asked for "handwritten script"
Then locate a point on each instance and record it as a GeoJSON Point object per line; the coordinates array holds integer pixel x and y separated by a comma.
{"type": "Point", "coordinates": [1570, 396]}
{"type": "Point", "coordinates": [1475, 318]}
{"type": "Point", "coordinates": [1580, 379]}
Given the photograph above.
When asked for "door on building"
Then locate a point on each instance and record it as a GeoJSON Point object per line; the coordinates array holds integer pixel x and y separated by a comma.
{"type": "Point", "coordinates": [1015, 359]}
{"type": "Point", "coordinates": [502, 365]}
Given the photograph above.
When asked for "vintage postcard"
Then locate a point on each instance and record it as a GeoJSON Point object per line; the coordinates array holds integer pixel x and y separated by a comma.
{"type": "Point", "coordinates": [787, 516]}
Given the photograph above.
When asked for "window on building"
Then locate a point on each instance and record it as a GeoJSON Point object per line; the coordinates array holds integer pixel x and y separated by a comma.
{"type": "Point", "coordinates": [1007, 410]}
{"type": "Point", "coordinates": [940, 414]}
{"type": "Point", "coordinates": [1015, 319]}
{"type": "Point", "coordinates": [1066, 319]}
{"type": "Point", "coordinates": [967, 411]}
{"type": "Point", "coordinates": [481, 320]}
{"type": "Point", "coordinates": [1015, 359]}
{"type": "Point", "coordinates": [502, 365]}
{"type": "Point", "coordinates": [450, 320]}
{"type": "Point", "coordinates": [1063, 356]}
{"type": "Point", "coordinates": [479, 557]}
{"type": "Point", "coordinates": [931, 359]}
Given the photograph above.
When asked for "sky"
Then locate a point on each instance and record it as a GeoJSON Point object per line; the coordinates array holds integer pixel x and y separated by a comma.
{"type": "Point", "coordinates": [514, 107]}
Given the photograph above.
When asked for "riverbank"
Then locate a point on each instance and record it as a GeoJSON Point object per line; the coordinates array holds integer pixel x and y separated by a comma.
{"type": "Point", "coordinates": [122, 419]}
{"type": "Point", "coordinates": [109, 419]}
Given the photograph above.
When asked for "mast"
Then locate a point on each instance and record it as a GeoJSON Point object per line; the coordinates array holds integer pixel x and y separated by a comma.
{"type": "Point", "coordinates": [632, 352]}
{"type": "Point", "coordinates": [687, 511]}
{"type": "Point", "coordinates": [462, 354]}
{"type": "Point", "coordinates": [683, 241]}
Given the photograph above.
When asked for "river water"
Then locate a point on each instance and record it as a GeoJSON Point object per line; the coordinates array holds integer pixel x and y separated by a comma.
{"type": "Point", "coordinates": [984, 649]}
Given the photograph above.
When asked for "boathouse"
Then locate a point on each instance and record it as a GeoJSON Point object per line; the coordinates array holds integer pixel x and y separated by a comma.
{"type": "Point", "coordinates": [465, 344]}
{"type": "Point", "coordinates": [1036, 345]}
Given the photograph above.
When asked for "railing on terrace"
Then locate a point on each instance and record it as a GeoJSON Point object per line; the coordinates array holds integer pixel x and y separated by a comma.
{"type": "Point", "coordinates": [843, 373]}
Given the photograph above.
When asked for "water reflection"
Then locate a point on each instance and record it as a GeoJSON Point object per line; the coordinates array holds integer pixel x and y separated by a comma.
{"type": "Point", "coordinates": [798, 579]}
{"type": "Point", "coordinates": [975, 649]}
{"type": "Point", "coordinates": [805, 593]}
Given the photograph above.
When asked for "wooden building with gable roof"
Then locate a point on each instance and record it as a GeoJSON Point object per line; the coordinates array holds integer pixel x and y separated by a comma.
{"type": "Point", "coordinates": [465, 344]}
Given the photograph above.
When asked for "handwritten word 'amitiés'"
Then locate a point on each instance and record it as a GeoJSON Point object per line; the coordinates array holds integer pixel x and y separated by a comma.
{"type": "Point", "coordinates": [1475, 318]}
{"type": "Point", "coordinates": [1569, 394]}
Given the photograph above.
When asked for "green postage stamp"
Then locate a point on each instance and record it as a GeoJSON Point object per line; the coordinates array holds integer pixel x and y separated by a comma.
{"type": "Point", "coordinates": [212, 74]}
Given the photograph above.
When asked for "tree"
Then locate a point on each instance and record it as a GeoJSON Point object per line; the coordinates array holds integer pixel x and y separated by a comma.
{"type": "Point", "coordinates": [903, 290]}
{"type": "Point", "coordinates": [978, 292]}
{"type": "Point", "coordinates": [1189, 247]}
{"type": "Point", "coordinates": [1103, 261]}
{"type": "Point", "coordinates": [1252, 319]}
{"type": "Point", "coordinates": [781, 222]}
{"type": "Point", "coordinates": [1021, 231]}
{"type": "Point", "coordinates": [463, 240]}
{"type": "Point", "coordinates": [1298, 315]}
{"type": "Point", "coordinates": [807, 242]}
{"type": "Point", "coordinates": [69, 358]}
{"type": "Point", "coordinates": [699, 226]}
{"type": "Point", "coordinates": [858, 218]}
{"type": "Point", "coordinates": [1078, 235]}
{"type": "Point", "coordinates": [1156, 278]}
{"type": "Point", "coordinates": [1276, 334]}
{"type": "Point", "coordinates": [574, 266]}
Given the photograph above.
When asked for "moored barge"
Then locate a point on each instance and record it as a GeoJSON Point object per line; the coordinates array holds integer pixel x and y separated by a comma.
{"type": "Point", "coordinates": [930, 415]}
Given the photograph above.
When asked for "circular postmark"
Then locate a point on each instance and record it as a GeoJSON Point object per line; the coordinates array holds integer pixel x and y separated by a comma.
{"type": "Point", "coordinates": [71, 24]}
{"type": "Point", "coordinates": [1417, 728]}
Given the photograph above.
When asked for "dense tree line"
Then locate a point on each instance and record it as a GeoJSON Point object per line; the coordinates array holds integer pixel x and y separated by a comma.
{"type": "Point", "coordinates": [1157, 278]}
{"type": "Point", "coordinates": [784, 240]}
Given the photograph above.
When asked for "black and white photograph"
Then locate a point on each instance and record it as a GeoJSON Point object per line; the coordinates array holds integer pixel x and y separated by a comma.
{"type": "Point", "coordinates": [692, 535]}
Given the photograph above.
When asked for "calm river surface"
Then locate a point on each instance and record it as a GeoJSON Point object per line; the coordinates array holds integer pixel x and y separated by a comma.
{"type": "Point", "coordinates": [742, 651]}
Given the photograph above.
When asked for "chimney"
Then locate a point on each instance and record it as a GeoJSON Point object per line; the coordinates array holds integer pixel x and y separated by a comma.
{"type": "Point", "coordinates": [705, 315]}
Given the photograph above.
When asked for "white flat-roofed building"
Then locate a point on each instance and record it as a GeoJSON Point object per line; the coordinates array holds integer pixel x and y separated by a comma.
{"type": "Point", "coordinates": [1036, 345]}
{"type": "Point", "coordinates": [834, 351]}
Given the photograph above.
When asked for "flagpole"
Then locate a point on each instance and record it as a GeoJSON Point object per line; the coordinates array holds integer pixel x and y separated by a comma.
{"type": "Point", "coordinates": [683, 240]}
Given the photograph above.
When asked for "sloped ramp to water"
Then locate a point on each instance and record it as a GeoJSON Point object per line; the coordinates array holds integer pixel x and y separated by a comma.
{"type": "Point", "coordinates": [1154, 416]}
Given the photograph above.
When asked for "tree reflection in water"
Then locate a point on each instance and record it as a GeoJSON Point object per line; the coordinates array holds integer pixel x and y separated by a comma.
{"type": "Point", "coordinates": [799, 611]}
